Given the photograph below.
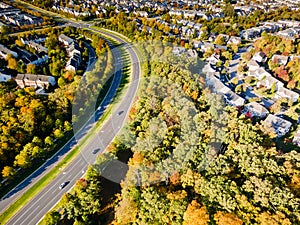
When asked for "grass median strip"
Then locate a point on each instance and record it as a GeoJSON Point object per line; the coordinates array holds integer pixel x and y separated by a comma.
{"type": "Point", "coordinates": [122, 37]}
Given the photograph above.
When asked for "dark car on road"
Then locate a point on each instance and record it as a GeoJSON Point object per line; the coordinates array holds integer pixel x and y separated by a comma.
{"type": "Point", "coordinates": [119, 113]}
{"type": "Point", "coordinates": [62, 185]}
{"type": "Point", "coordinates": [96, 150]}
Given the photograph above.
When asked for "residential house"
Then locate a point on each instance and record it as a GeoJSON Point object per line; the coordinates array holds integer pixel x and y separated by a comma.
{"type": "Point", "coordinates": [296, 139]}
{"type": "Point", "coordinates": [234, 40]}
{"type": "Point", "coordinates": [143, 13]}
{"type": "Point", "coordinates": [268, 82]}
{"type": "Point", "coordinates": [74, 52]}
{"type": "Point", "coordinates": [289, 23]}
{"type": "Point", "coordinates": [178, 50]}
{"type": "Point", "coordinates": [251, 33]}
{"type": "Point", "coordinates": [191, 53]}
{"type": "Point", "coordinates": [204, 16]}
{"type": "Point", "coordinates": [245, 10]}
{"type": "Point", "coordinates": [288, 33]}
{"type": "Point", "coordinates": [260, 73]}
{"type": "Point", "coordinates": [36, 81]}
{"type": "Point", "coordinates": [213, 59]}
{"type": "Point", "coordinates": [9, 11]}
{"type": "Point", "coordinates": [189, 14]}
{"type": "Point", "coordinates": [279, 126]}
{"type": "Point", "coordinates": [191, 24]}
{"type": "Point", "coordinates": [221, 47]}
{"type": "Point", "coordinates": [73, 49]}
{"type": "Point", "coordinates": [28, 80]}
{"type": "Point", "coordinates": [198, 26]}
{"type": "Point", "coordinates": [186, 31]}
{"type": "Point", "coordinates": [4, 5]}
{"type": "Point", "coordinates": [233, 69]}
{"type": "Point", "coordinates": [37, 59]}
{"type": "Point", "coordinates": [4, 52]}
{"type": "Point", "coordinates": [207, 46]}
{"type": "Point", "coordinates": [215, 15]}
{"type": "Point", "coordinates": [38, 47]}
{"type": "Point", "coordinates": [283, 92]}
{"type": "Point", "coordinates": [197, 44]}
{"type": "Point", "coordinates": [249, 94]}
{"type": "Point", "coordinates": [183, 22]}
{"type": "Point", "coordinates": [212, 37]}
{"type": "Point", "coordinates": [175, 13]}
{"type": "Point", "coordinates": [43, 81]}
{"type": "Point", "coordinates": [208, 68]}
{"type": "Point", "coordinates": [4, 77]}
{"type": "Point", "coordinates": [72, 65]}
{"type": "Point", "coordinates": [295, 57]}
{"type": "Point", "coordinates": [65, 39]}
{"type": "Point", "coordinates": [19, 80]}
{"type": "Point", "coordinates": [253, 65]}
{"type": "Point", "coordinates": [33, 19]}
{"type": "Point", "coordinates": [233, 99]}
{"type": "Point", "coordinates": [146, 29]}
{"type": "Point", "coordinates": [22, 19]}
{"type": "Point", "coordinates": [267, 103]}
{"type": "Point", "coordinates": [35, 38]}
{"type": "Point", "coordinates": [217, 86]}
{"type": "Point", "coordinates": [273, 26]}
{"type": "Point", "coordinates": [255, 110]}
{"type": "Point", "coordinates": [260, 57]}
{"type": "Point", "coordinates": [280, 59]}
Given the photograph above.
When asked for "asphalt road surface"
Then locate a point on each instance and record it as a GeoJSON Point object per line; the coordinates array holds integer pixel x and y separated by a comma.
{"type": "Point", "coordinates": [33, 211]}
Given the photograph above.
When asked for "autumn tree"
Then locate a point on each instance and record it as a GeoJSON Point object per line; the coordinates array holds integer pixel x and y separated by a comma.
{"type": "Point", "coordinates": [11, 61]}
{"type": "Point", "coordinates": [195, 214]}
{"type": "Point", "coordinates": [222, 218]}
{"type": "Point", "coordinates": [8, 172]}
{"type": "Point", "coordinates": [31, 69]}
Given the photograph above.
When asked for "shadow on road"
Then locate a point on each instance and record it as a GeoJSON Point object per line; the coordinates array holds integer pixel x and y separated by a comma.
{"type": "Point", "coordinates": [50, 163]}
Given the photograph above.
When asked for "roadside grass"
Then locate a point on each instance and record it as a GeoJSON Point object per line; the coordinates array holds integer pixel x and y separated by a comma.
{"type": "Point", "coordinates": [124, 38]}
{"type": "Point", "coordinates": [44, 181]}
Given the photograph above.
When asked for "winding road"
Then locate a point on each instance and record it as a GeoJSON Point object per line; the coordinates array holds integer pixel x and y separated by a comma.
{"type": "Point", "coordinates": [47, 198]}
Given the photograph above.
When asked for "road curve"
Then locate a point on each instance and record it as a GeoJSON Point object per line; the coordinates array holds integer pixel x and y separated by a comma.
{"type": "Point", "coordinates": [37, 207]}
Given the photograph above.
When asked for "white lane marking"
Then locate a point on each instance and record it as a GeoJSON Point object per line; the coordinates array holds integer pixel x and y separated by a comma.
{"type": "Point", "coordinates": [28, 216]}
{"type": "Point", "coordinates": [53, 199]}
{"type": "Point", "coordinates": [36, 201]}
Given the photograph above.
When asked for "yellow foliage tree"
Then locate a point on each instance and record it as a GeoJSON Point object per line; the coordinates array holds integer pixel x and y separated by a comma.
{"type": "Point", "coordinates": [195, 214]}
{"type": "Point", "coordinates": [267, 218]}
{"type": "Point", "coordinates": [223, 218]}
{"type": "Point", "coordinates": [8, 172]}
